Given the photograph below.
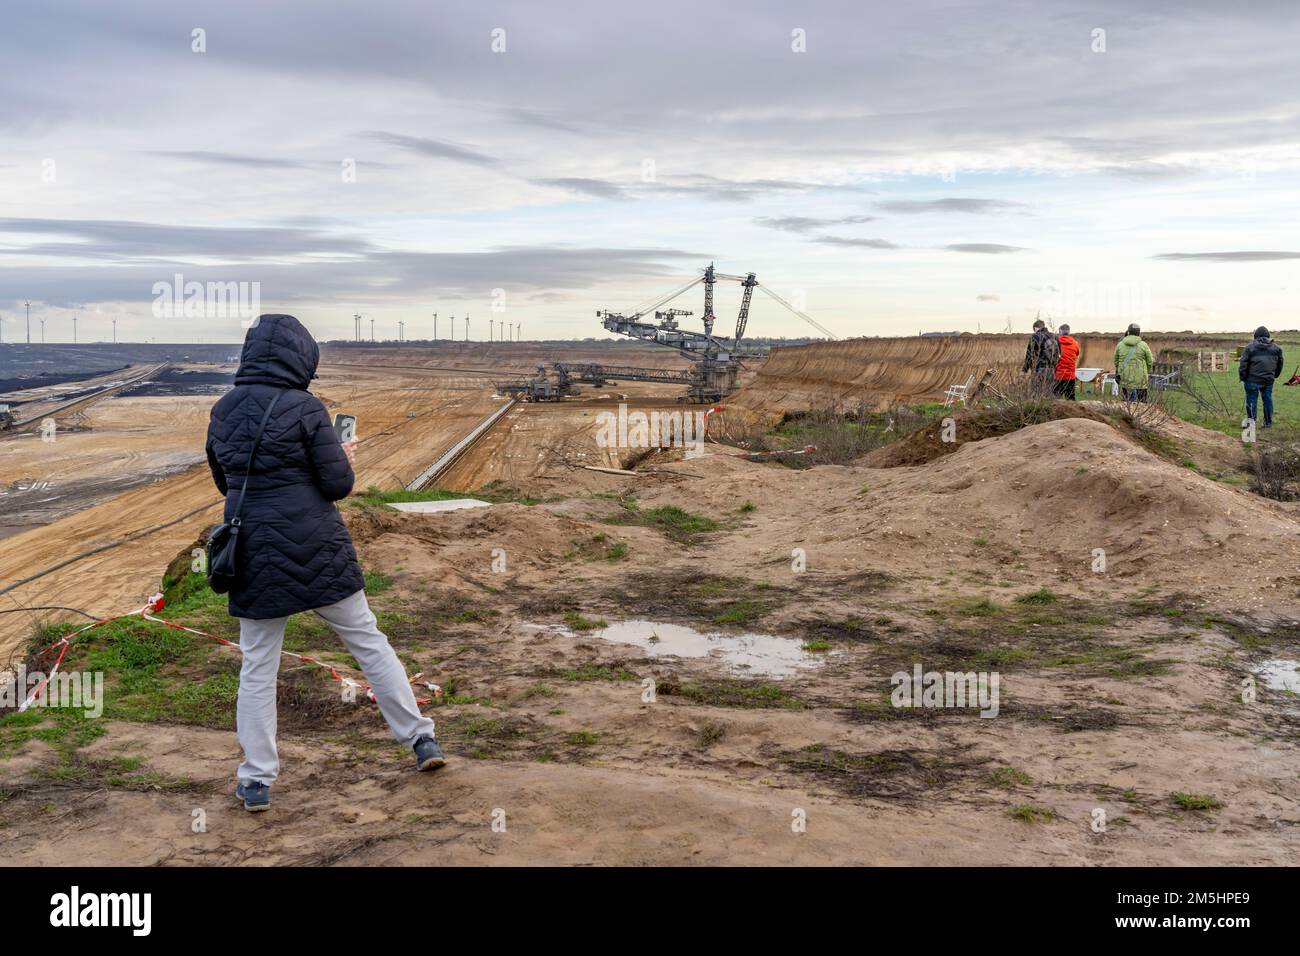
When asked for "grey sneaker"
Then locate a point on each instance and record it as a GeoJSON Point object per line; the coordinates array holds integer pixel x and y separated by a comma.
{"type": "Point", "coordinates": [256, 796]}
{"type": "Point", "coordinates": [428, 755]}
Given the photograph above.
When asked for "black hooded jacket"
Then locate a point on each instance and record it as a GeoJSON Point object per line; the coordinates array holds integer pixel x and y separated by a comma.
{"type": "Point", "coordinates": [294, 554]}
{"type": "Point", "coordinates": [1042, 353]}
{"type": "Point", "coordinates": [1261, 361]}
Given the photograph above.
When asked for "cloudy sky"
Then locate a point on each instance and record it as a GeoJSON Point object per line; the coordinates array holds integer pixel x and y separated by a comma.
{"type": "Point", "coordinates": [891, 167]}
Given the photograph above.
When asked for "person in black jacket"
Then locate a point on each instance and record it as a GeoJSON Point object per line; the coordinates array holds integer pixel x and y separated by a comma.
{"type": "Point", "coordinates": [1041, 355]}
{"type": "Point", "coordinates": [1260, 366]}
{"type": "Point", "coordinates": [295, 553]}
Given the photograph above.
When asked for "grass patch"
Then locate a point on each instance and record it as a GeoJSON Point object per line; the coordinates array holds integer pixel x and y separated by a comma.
{"type": "Point", "coordinates": [741, 611]}
{"type": "Point", "coordinates": [710, 733]}
{"type": "Point", "coordinates": [981, 608]}
{"type": "Point", "coordinates": [1118, 662]}
{"type": "Point", "coordinates": [1196, 801]}
{"type": "Point", "coordinates": [383, 497]}
{"type": "Point", "coordinates": [1032, 813]}
{"type": "Point", "coordinates": [377, 582]}
{"type": "Point", "coordinates": [599, 547]}
{"type": "Point", "coordinates": [673, 522]}
{"type": "Point", "coordinates": [747, 695]}
{"type": "Point", "coordinates": [577, 622]}
{"type": "Point", "coordinates": [1037, 598]}
{"type": "Point", "coordinates": [479, 737]}
{"type": "Point", "coordinates": [590, 672]}
{"type": "Point", "coordinates": [1009, 777]}
{"type": "Point", "coordinates": [61, 728]}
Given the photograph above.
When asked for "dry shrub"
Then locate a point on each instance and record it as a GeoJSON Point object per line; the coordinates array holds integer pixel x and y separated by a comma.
{"type": "Point", "coordinates": [1274, 467]}
{"type": "Point", "coordinates": [1211, 400]}
{"type": "Point", "coordinates": [1144, 419]}
{"type": "Point", "coordinates": [841, 433]}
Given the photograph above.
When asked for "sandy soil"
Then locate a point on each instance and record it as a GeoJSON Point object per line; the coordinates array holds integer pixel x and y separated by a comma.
{"type": "Point", "coordinates": [541, 448]}
{"type": "Point", "coordinates": [113, 469]}
{"type": "Point", "coordinates": [97, 453]}
{"type": "Point", "coordinates": [1120, 688]}
{"type": "Point", "coordinates": [404, 418]}
{"type": "Point", "coordinates": [1120, 692]}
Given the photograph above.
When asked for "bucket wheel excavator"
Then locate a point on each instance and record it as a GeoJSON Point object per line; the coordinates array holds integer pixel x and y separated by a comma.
{"type": "Point", "coordinates": [717, 359]}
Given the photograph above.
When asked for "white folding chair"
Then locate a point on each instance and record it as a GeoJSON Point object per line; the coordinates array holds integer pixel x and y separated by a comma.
{"type": "Point", "coordinates": [957, 393]}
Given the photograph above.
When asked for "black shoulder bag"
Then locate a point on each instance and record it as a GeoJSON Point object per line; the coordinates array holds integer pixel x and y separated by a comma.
{"type": "Point", "coordinates": [223, 543]}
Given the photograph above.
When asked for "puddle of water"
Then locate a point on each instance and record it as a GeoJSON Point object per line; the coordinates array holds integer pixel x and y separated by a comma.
{"type": "Point", "coordinates": [429, 507]}
{"type": "Point", "coordinates": [760, 654]}
{"type": "Point", "coordinates": [1280, 674]}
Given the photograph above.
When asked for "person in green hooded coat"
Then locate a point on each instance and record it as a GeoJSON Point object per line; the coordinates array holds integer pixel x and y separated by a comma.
{"type": "Point", "coordinates": [1133, 362]}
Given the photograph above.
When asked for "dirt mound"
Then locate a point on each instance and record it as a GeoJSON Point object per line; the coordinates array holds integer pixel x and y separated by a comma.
{"type": "Point", "coordinates": [1019, 511]}
{"type": "Point", "coordinates": [1077, 484]}
{"type": "Point", "coordinates": [969, 425]}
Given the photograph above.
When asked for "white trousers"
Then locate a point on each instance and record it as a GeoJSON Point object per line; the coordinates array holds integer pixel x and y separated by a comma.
{"type": "Point", "coordinates": [261, 642]}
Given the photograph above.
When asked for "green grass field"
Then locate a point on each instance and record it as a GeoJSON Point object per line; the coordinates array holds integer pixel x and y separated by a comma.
{"type": "Point", "coordinates": [1224, 391]}
{"type": "Point", "coordinates": [1224, 401]}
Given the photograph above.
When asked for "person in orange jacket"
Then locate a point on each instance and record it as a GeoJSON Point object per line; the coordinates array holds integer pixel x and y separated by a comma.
{"type": "Point", "coordinates": [1067, 364]}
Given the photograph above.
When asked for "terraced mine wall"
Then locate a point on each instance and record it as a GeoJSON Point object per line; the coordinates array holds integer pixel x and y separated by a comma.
{"type": "Point", "coordinates": [882, 371]}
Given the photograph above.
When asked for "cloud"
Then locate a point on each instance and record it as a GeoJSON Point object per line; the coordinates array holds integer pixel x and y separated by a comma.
{"type": "Point", "coordinates": [1227, 256]}
{"type": "Point", "coordinates": [1151, 172]}
{"type": "Point", "coordinates": [701, 186]}
{"type": "Point", "coordinates": [861, 243]}
{"type": "Point", "coordinates": [986, 248]}
{"type": "Point", "coordinates": [949, 204]}
{"type": "Point", "coordinates": [379, 276]}
{"type": "Point", "coordinates": [522, 267]}
{"type": "Point", "coordinates": [543, 119]}
{"type": "Point", "coordinates": [808, 223]}
{"type": "Point", "coordinates": [986, 297]}
{"type": "Point", "coordinates": [124, 239]}
{"type": "Point", "coordinates": [1004, 96]}
{"type": "Point", "coordinates": [550, 297]}
{"type": "Point", "coordinates": [599, 188]}
{"type": "Point", "coordinates": [233, 159]}
{"type": "Point", "coordinates": [709, 188]}
{"type": "Point", "coordinates": [434, 148]}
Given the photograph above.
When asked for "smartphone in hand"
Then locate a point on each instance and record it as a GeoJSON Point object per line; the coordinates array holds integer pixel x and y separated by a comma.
{"type": "Point", "coordinates": [346, 427]}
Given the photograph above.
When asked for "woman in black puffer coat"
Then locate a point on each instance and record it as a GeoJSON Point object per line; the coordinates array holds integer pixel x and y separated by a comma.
{"type": "Point", "coordinates": [294, 553]}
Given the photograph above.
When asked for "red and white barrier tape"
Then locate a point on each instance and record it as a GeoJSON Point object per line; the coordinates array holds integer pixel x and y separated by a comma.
{"type": "Point", "coordinates": [156, 604]}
